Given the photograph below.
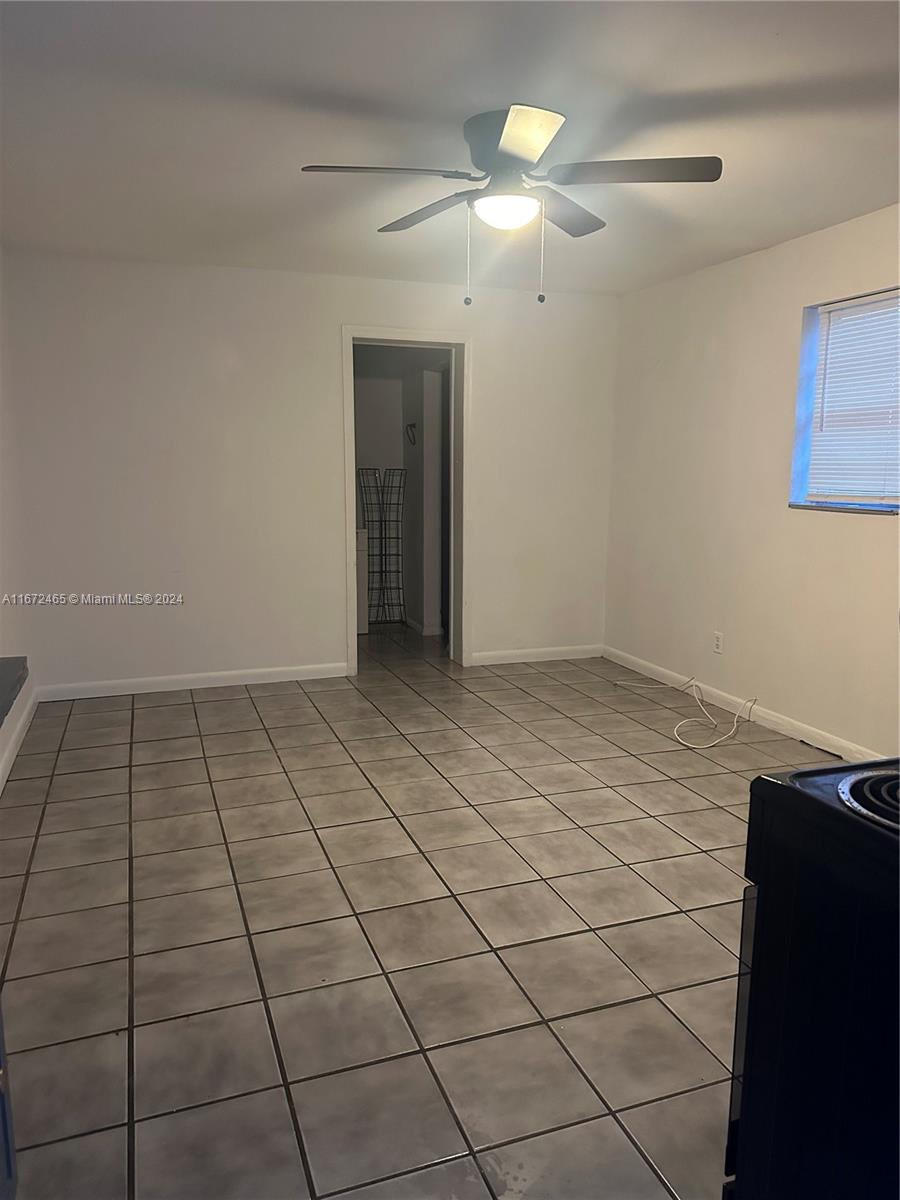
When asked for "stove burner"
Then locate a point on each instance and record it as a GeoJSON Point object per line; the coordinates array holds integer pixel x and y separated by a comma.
{"type": "Point", "coordinates": [875, 795]}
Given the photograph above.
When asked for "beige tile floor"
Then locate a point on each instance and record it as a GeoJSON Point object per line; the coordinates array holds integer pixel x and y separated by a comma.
{"type": "Point", "coordinates": [431, 932]}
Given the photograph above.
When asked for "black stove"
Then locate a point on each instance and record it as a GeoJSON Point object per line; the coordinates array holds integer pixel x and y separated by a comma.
{"type": "Point", "coordinates": [814, 1108]}
{"type": "Point", "coordinates": [874, 794]}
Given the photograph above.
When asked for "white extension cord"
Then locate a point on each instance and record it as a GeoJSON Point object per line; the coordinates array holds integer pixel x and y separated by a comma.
{"type": "Point", "coordinates": [710, 722]}
{"type": "Point", "coordinates": [707, 720]}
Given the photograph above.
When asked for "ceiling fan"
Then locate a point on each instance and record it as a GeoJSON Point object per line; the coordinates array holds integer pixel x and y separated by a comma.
{"type": "Point", "coordinates": [506, 146]}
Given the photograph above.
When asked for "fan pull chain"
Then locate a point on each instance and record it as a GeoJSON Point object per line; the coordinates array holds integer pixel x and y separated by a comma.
{"type": "Point", "coordinates": [541, 296]}
{"type": "Point", "coordinates": [468, 299]}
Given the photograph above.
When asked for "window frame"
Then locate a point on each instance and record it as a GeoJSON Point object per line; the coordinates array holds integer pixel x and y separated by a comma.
{"type": "Point", "coordinates": [810, 341]}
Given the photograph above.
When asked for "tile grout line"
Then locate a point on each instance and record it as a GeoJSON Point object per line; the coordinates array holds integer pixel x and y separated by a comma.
{"type": "Point", "coordinates": [260, 983]}
{"type": "Point", "coordinates": [535, 790]}
{"type": "Point", "coordinates": [546, 1024]}
{"type": "Point", "coordinates": [409, 685]}
{"type": "Point", "coordinates": [489, 1146]}
{"type": "Point", "coordinates": [644, 816]}
{"type": "Point", "coordinates": [328, 920]}
{"type": "Point", "coordinates": [652, 994]}
{"type": "Point", "coordinates": [390, 985]}
{"type": "Point", "coordinates": [14, 927]}
{"type": "Point", "coordinates": [505, 839]}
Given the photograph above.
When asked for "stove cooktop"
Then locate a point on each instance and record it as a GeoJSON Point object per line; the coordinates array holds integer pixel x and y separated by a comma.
{"type": "Point", "coordinates": [874, 793]}
{"type": "Point", "coordinates": [859, 801]}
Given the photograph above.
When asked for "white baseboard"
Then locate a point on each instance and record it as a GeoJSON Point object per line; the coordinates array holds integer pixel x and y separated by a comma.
{"type": "Point", "coordinates": [534, 654]}
{"type": "Point", "coordinates": [14, 727]}
{"type": "Point", "coordinates": [765, 716]}
{"type": "Point", "coordinates": [170, 683]}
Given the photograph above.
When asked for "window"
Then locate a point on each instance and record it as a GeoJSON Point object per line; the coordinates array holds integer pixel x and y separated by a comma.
{"type": "Point", "coordinates": [847, 441]}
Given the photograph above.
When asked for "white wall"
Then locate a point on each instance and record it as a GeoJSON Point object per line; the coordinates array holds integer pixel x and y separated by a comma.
{"type": "Point", "coordinates": [13, 635]}
{"type": "Point", "coordinates": [379, 427]}
{"type": "Point", "coordinates": [183, 432]}
{"type": "Point", "coordinates": [11, 521]}
{"type": "Point", "coordinates": [701, 536]}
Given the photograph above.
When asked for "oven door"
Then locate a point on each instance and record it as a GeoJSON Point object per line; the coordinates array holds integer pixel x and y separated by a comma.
{"type": "Point", "coordinates": [748, 930]}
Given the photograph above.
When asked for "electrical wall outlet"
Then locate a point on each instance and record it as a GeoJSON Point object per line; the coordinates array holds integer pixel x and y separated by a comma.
{"type": "Point", "coordinates": [718, 643]}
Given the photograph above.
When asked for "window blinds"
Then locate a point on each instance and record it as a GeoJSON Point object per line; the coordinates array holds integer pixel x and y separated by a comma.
{"type": "Point", "coordinates": [854, 448]}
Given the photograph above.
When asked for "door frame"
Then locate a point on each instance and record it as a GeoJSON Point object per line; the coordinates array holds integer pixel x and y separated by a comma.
{"type": "Point", "coordinates": [460, 420]}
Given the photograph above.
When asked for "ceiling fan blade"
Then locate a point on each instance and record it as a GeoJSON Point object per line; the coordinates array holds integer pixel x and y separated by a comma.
{"type": "Point", "coordinates": [392, 171]}
{"type": "Point", "coordinates": [528, 132]}
{"type": "Point", "coordinates": [566, 214]}
{"type": "Point", "coordinates": [430, 210]}
{"type": "Point", "coordinates": [639, 170]}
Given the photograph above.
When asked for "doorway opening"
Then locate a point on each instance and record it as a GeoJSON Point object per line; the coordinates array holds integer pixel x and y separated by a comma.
{"type": "Point", "coordinates": [404, 432]}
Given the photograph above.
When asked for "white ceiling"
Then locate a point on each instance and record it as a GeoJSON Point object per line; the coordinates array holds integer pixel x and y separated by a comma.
{"type": "Point", "coordinates": [175, 131]}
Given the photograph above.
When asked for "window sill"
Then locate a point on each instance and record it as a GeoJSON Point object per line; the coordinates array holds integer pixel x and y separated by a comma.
{"type": "Point", "coordinates": [890, 510]}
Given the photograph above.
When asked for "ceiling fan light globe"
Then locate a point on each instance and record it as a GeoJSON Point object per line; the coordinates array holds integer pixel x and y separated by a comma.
{"type": "Point", "coordinates": [506, 212]}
